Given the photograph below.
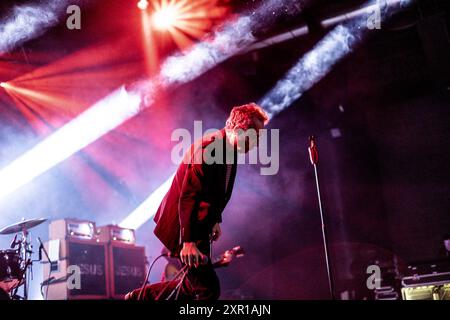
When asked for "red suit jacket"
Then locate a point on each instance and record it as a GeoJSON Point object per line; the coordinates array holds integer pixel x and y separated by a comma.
{"type": "Point", "coordinates": [197, 196]}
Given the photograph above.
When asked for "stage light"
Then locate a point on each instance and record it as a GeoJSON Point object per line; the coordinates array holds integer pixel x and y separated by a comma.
{"type": "Point", "coordinates": [28, 21]}
{"type": "Point", "coordinates": [148, 208]}
{"type": "Point", "coordinates": [232, 38]}
{"type": "Point", "coordinates": [149, 44]}
{"type": "Point", "coordinates": [3, 84]}
{"type": "Point", "coordinates": [142, 4]}
{"type": "Point", "coordinates": [121, 105]}
{"type": "Point", "coordinates": [98, 120]}
{"type": "Point", "coordinates": [187, 21]}
{"type": "Point", "coordinates": [318, 62]}
{"type": "Point", "coordinates": [166, 18]}
{"type": "Point", "coordinates": [311, 68]}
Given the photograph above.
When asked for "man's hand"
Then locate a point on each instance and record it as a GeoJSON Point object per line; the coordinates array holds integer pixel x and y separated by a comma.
{"type": "Point", "coordinates": [216, 232]}
{"type": "Point", "coordinates": [190, 255]}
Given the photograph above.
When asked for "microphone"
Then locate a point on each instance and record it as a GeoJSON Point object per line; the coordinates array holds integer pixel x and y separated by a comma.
{"type": "Point", "coordinates": [313, 153]}
{"type": "Point", "coordinates": [40, 251]}
{"type": "Point", "coordinates": [204, 259]}
{"type": "Point", "coordinates": [14, 242]}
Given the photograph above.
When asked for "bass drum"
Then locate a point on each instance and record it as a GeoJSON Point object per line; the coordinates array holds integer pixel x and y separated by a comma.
{"type": "Point", "coordinates": [11, 274]}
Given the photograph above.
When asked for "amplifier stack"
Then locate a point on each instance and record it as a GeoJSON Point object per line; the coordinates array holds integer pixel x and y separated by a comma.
{"type": "Point", "coordinates": [427, 281]}
{"type": "Point", "coordinates": [89, 262]}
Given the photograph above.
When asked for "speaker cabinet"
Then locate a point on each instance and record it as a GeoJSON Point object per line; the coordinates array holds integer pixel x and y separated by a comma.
{"type": "Point", "coordinates": [106, 260]}
{"type": "Point", "coordinates": [83, 260]}
{"type": "Point", "coordinates": [127, 268]}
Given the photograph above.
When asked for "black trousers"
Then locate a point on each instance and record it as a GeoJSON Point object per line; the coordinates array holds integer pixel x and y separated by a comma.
{"type": "Point", "coordinates": [4, 295]}
{"type": "Point", "coordinates": [200, 283]}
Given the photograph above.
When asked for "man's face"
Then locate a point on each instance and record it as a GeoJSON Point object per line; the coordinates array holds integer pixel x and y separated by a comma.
{"type": "Point", "coordinates": [248, 139]}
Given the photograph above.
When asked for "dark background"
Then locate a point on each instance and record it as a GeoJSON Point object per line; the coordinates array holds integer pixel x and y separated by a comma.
{"type": "Point", "coordinates": [385, 178]}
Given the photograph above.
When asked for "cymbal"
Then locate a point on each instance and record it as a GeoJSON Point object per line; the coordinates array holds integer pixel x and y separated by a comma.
{"type": "Point", "coordinates": [22, 225]}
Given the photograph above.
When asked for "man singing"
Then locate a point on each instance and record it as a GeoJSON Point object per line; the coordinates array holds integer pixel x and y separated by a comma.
{"type": "Point", "coordinates": [190, 214]}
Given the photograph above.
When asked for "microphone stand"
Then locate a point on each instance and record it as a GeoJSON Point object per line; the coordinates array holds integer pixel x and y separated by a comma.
{"type": "Point", "coordinates": [314, 158]}
{"type": "Point", "coordinates": [42, 249]}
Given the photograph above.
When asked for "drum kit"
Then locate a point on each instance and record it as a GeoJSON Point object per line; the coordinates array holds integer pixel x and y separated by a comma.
{"type": "Point", "coordinates": [16, 262]}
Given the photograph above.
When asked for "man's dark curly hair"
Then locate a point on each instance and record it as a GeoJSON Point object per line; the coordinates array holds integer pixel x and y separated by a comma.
{"type": "Point", "coordinates": [242, 117]}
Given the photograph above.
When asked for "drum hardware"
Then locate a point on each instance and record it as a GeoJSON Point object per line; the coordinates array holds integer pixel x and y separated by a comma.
{"type": "Point", "coordinates": [16, 264]}
{"type": "Point", "coordinates": [21, 226]}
